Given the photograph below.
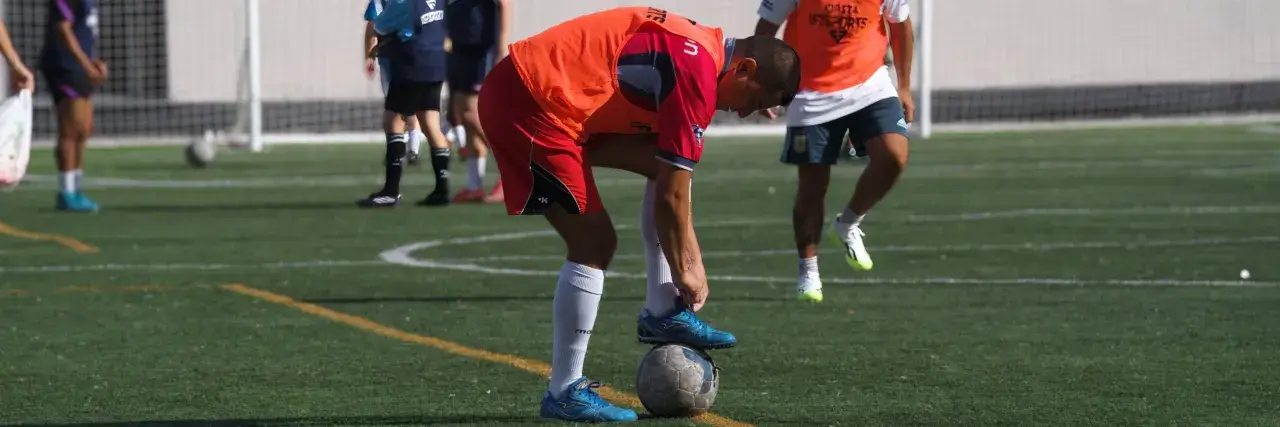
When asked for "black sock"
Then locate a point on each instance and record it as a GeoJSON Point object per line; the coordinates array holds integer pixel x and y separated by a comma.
{"type": "Point", "coordinates": [440, 163]}
{"type": "Point", "coordinates": [395, 162]}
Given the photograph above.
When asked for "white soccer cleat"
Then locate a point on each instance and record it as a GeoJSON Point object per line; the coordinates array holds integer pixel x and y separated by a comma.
{"type": "Point", "coordinates": [850, 237]}
{"type": "Point", "coordinates": [809, 288]}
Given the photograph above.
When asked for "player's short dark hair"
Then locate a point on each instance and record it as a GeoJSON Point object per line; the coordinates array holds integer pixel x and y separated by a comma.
{"type": "Point", "coordinates": [777, 64]}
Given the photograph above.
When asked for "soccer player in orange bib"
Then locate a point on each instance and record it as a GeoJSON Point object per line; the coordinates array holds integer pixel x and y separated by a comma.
{"type": "Point", "coordinates": [845, 87]}
{"type": "Point", "coordinates": [540, 106]}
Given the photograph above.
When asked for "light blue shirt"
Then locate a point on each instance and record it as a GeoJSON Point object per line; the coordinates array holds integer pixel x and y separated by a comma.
{"type": "Point", "coordinates": [397, 16]}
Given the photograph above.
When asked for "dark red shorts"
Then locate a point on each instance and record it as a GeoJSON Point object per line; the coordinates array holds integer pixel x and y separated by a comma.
{"type": "Point", "coordinates": [541, 164]}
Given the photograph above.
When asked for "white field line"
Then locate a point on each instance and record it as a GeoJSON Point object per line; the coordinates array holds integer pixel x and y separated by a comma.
{"type": "Point", "coordinates": [1018, 247]}
{"type": "Point", "coordinates": [917, 171]}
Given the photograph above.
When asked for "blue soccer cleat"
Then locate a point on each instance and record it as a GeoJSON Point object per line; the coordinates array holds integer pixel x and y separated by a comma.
{"type": "Point", "coordinates": [682, 327]}
{"type": "Point", "coordinates": [75, 202]}
{"type": "Point", "coordinates": [581, 404]}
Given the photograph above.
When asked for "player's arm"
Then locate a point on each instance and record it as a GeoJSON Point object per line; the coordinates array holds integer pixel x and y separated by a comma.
{"type": "Point", "coordinates": [902, 40]}
{"type": "Point", "coordinates": [682, 116]}
{"type": "Point", "coordinates": [370, 38]}
{"type": "Point", "coordinates": [504, 26]}
{"type": "Point", "coordinates": [18, 71]}
{"type": "Point", "coordinates": [772, 14]}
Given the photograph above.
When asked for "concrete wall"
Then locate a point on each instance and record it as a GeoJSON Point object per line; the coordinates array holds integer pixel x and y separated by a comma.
{"type": "Point", "coordinates": [311, 48]}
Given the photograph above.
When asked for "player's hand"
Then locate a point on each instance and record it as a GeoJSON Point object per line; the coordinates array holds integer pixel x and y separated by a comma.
{"type": "Point", "coordinates": [97, 73]}
{"type": "Point", "coordinates": [769, 113]}
{"type": "Point", "coordinates": [693, 288]}
{"type": "Point", "coordinates": [22, 78]}
{"type": "Point", "coordinates": [370, 67]}
{"type": "Point", "coordinates": [908, 104]}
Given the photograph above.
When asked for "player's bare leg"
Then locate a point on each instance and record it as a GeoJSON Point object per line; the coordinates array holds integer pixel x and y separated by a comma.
{"type": "Point", "coordinates": [75, 124]}
{"type": "Point", "coordinates": [440, 153]}
{"type": "Point", "coordinates": [591, 241]}
{"type": "Point", "coordinates": [888, 159]}
{"type": "Point", "coordinates": [476, 152]}
{"type": "Point", "coordinates": [807, 222]}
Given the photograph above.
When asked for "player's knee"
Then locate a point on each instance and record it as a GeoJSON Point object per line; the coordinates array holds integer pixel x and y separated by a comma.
{"type": "Point", "coordinates": [889, 151]}
{"type": "Point", "coordinates": [594, 249]}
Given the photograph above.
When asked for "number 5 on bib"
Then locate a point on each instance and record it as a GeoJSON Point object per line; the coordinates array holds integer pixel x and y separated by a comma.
{"type": "Point", "coordinates": [15, 138]}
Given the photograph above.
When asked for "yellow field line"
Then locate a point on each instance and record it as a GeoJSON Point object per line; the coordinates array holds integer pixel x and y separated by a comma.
{"type": "Point", "coordinates": [527, 365]}
{"type": "Point", "coordinates": [69, 242]}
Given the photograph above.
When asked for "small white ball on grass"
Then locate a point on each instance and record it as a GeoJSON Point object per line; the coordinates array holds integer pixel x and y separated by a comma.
{"type": "Point", "coordinates": [1244, 274]}
{"type": "Point", "coordinates": [772, 189]}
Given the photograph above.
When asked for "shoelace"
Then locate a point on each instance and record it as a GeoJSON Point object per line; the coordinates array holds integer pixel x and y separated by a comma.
{"type": "Point", "coordinates": [590, 396]}
{"type": "Point", "coordinates": [699, 328]}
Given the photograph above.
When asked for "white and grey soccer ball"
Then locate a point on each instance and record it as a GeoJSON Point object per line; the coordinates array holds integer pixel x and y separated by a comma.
{"type": "Point", "coordinates": [201, 150]}
{"type": "Point", "coordinates": [677, 381]}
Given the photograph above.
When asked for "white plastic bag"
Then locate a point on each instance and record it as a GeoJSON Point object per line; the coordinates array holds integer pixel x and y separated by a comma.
{"type": "Point", "coordinates": [15, 138]}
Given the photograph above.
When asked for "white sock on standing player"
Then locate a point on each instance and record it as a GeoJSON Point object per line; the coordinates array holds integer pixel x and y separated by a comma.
{"type": "Point", "coordinates": [67, 182]}
{"type": "Point", "coordinates": [576, 302]}
{"type": "Point", "coordinates": [415, 138]}
{"type": "Point", "coordinates": [851, 218]}
{"type": "Point", "coordinates": [660, 290]}
{"type": "Point", "coordinates": [475, 173]}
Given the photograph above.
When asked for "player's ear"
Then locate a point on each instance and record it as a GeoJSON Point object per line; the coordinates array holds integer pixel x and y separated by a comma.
{"type": "Point", "coordinates": [746, 68]}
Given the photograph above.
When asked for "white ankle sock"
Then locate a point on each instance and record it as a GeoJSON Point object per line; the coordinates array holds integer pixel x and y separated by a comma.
{"type": "Point", "coordinates": [576, 302]}
{"type": "Point", "coordinates": [475, 173]}
{"type": "Point", "coordinates": [660, 290]}
{"type": "Point", "coordinates": [67, 182]}
{"type": "Point", "coordinates": [809, 267]}
{"type": "Point", "coordinates": [851, 218]}
{"type": "Point", "coordinates": [415, 138]}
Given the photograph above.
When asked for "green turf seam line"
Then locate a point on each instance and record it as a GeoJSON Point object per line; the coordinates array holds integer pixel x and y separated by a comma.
{"type": "Point", "coordinates": [527, 365]}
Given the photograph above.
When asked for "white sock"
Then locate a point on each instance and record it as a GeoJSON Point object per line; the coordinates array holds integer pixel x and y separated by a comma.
{"type": "Point", "coordinates": [79, 177]}
{"type": "Point", "coordinates": [475, 173]}
{"type": "Point", "coordinates": [450, 136]}
{"type": "Point", "coordinates": [577, 299]}
{"type": "Point", "coordinates": [850, 218]}
{"type": "Point", "coordinates": [809, 267]}
{"type": "Point", "coordinates": [415, 138]}
{"type": "Point", "coordinates": [660, 291]}
{"type": "Point", "coordinates": [67, 182]}
{"type": "Point", "coordinates": [460, 132]}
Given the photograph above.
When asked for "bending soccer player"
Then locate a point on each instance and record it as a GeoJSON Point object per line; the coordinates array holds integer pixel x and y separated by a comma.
{"type": "Point", "coordinates": [845, 88]}
{"type": "Point", "coordinates": [70, 66]}
{"type": "Point", "coordinates": [411, 38]}
{"type": "Point", "coordinates": [536, 107]}
{"type": "Point", "coordinates": [20, 77]}
{"type": "Point", "coordinates": [478, 31]}
{"type": "Point", "coordinates": [381, 66]}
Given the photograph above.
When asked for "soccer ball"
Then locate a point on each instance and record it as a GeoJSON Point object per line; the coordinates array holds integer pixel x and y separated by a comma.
{"type": "Point", "coordinates": [200, 152]}
{"type": "Point", "coordinates": [677, 381]}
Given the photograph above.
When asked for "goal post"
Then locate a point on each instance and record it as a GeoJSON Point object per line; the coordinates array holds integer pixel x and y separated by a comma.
{"type": "Point", "coordinates": [259, 73]}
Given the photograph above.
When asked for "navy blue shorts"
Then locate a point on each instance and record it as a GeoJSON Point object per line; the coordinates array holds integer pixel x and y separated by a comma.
{"type": "Point", "coordinates": [468, 67]}
{"type": "Point", "coordinates": [821, 144]}
{"type": "Point", "coordinates": [67, 84]}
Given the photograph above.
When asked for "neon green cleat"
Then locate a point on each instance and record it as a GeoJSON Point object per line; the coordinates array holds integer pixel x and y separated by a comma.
{"type": "Point", "coordinates": [850, 238]}
{"type": "Point", "coordinates": [814, 295]}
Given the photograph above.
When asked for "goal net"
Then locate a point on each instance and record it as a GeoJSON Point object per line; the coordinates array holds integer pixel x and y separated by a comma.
{"type": "Point", "coordinates": [181, 68]}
